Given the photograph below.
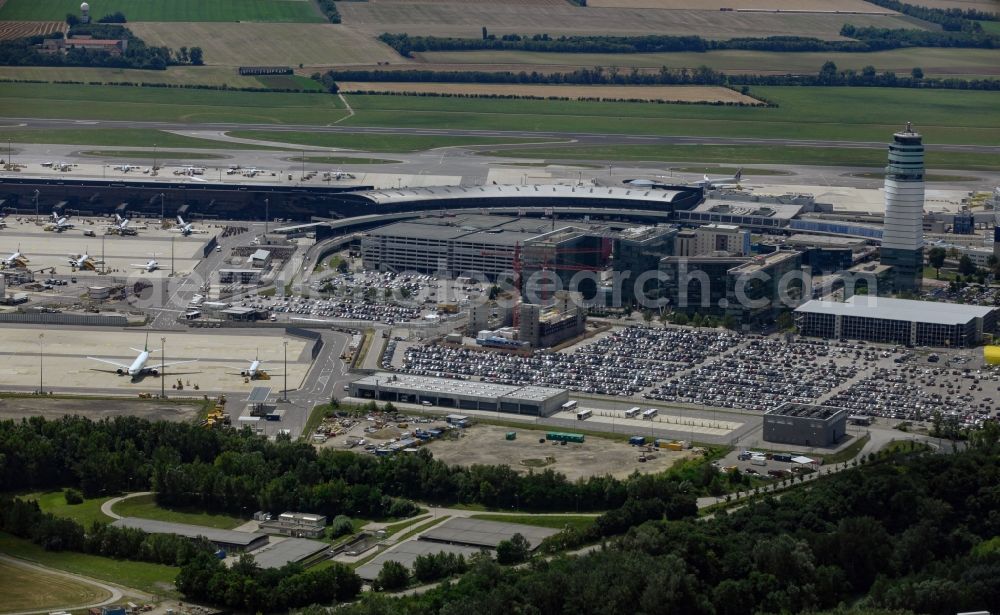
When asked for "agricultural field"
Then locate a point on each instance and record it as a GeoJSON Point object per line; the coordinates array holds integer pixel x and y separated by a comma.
{"type": "Point", "coordinates": [27, 588]}
{"type": "Point", "coordinates": [21, 29]}
{"type": "Point", "coordinates": [159, 104]}
{"type": "Point", "coordinates": [467, 20]}
{"type": "Point", "coordinates": [241, 44]}
{"type": "Point", "coordinates": [665, 93]}
{"type": "Point", "coordinates": [174, 10]}
{"type": "Point", "coordinates": [935, 62]}
{"type": "Point", "coordinates": [818, 6]}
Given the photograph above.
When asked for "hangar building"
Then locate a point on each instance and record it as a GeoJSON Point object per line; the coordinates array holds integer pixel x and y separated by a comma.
{"type": "Point", "coordinates": [461, 394]}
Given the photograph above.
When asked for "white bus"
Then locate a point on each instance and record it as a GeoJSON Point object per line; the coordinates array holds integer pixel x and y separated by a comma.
{"type": "Point", "coordinates": [649, 413]}
{"type": "Point", "coordinates": [632, 412]}
{"type": "Point", "coordinates": [584, 414]}
{"type": "Point", "coordinates": [569, 405]}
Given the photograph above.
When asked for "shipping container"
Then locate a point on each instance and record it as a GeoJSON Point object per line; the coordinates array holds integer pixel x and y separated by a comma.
{"type": "Point", "coordinates": [637, 440]}
{"type": "Point", "coordinates": [564, 437]}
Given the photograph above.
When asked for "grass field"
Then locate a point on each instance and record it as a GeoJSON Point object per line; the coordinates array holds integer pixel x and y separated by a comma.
{"type": "Point", "coordinates": [177, 105]}
{"type": "Point", "coordinates": [556, 522]}
{"type": "Point", "coordinates": [803, 113]}
{"type": "Point", "coordinates": [749, 154]}
{"type": "Point", "coordinates": [467, 19]}
{"type": "Point", "coordinates": [993, 27]}
{"type": "Point", "coordinates": [373, 142]}
{"type": "Point", "coordinates": [179, 75]}
{"type": "Point", "coordinates": [20, 29]}
{"type": "Point", "coordinates": [933, 61]}
{"type": "Point", "coordinates": [240, 44]}
{"type": "Point", "coordinates": [145, 507]}
{"type": "Point", "coordinates": [729, 171]}
{"type": "Point", "coordinates": [25, 589]}
{"type": "Point", "coordinates": [663, 93]}
{"type": "Point", "coordinates": [152, 578]}
{"type": "Point", "coordinates": [160, 10]}
{"type": "Point", "coordinates": [116, 137]}
{"type": "Point", "coordinates": [85, 514]}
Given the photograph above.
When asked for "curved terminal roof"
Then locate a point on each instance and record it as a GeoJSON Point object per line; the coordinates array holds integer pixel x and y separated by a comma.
{"type": "Point", "coordinates": [502, 192]}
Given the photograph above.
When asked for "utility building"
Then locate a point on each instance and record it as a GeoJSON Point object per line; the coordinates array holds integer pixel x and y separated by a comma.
{"type": "Point", "coordinates": [805, 424]}
{"type": "Point", "coordinates": [903, 234]}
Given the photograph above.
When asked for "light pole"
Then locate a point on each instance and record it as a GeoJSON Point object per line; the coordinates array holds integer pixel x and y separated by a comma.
{"type": "Point", "coordinates": [162, 198]}
{"type": "Point", "coordinates": [285, 344]}
{"type": "Point", "coordinates": [267, 215]}
{"type": "Point", "coordinates": [37, 193]}
{"type": "Point", "coordinates": [163, 360]}
{"type": "Point", "coordinates": [154, 157]}
{"type": "Point", "coordinates": [172, 255]}
{"type": "Point", "coordinates": [41, 365]}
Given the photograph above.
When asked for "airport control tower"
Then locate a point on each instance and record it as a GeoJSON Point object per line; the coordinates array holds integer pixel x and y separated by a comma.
{"type": "Point", "coordinates": [996, 222]}
{"type": "Point", "coordinates": [903, 234]}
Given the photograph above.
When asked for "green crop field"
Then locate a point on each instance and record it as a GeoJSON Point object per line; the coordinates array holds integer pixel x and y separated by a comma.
{"type": "Point", "coordinates": [117, 137]}
{"type": "Point", "coordinates": [152, 578]}
{"type": "Point", "coordinates": [55, 502]}
{"type": "Point", "coordinates": [166, 104]}
{"type": "Point", "coordinates": [748, 154]}
{"type": "Point", "coordinates": [373, 142]}
{"type": "Point", "coordinates": [993, 27]}
{"type": "Point", "coordinates": [933, 61]}
{"type": "Point", "coordinates": [145, 507]}
{"type": "Point", "coordinates": [25, 589]}
{"type": "Point", "coordinates": [163, 10]}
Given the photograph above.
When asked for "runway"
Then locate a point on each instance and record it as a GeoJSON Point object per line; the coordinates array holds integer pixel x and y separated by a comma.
{"type": "Point", "coordinates": [582, 138]}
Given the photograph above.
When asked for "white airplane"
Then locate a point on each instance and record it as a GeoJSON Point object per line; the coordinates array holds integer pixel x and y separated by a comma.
{"type": "Point", "coordinates": [15, 260]}
{"type": "Point", "coordinates": [81, 261]}
{"type": "Point", "coordinates": [125, 168]}
{"type": "Point", "coordinates": [719, 182]}
{"type": "Point", "coordinates": [340, 174]}
{"type": "Point", "coordinates": [138, 366]}
{"type": "Point", "coordinates": [62, 223]}
{"type": "Point", "coordinates": [256, 369]}
{"type": "Point", "coordinates": [184, 228]}
{"type": "Point", "coordinates": [121, 226]}
{"type": "Point", "coordinates": [150, 266]}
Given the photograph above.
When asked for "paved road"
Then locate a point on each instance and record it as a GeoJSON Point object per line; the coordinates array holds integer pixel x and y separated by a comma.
{"type": "Point", "coordinates": [581, 137]}
{"type": "Point", "coordinates": [107, 506]}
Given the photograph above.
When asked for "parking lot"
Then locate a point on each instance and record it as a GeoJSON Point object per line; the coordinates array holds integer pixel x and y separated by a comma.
{"type": "Point", "coordinates": [722, 369]}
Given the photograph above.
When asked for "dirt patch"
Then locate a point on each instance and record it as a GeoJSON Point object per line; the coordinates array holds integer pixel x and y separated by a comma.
{"type": "Point", "coordinates": [577, 92]}
{"type": "Point", "coordinates": [54, 408]}
{"type": "Point", "coordinates": [486, 444]}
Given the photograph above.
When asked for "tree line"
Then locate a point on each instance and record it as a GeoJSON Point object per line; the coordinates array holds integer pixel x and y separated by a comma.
{"type": "Point", "coordinates": [865, 39]}
{"type": "Point", "coordinates": [828, 75]}
{"type": "Point", "coordinates": [904, 532]}
{"type": "Point", "coordinates": [329, 8]}
{"type": "Point", "coordinates": [25, 51]}
{"type": "Point", "coordinates": [949, 19]}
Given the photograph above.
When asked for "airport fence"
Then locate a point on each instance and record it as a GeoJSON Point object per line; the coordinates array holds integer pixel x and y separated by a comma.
{"type": "Point", "coordinates": [80, 320]}
{"type": "Point", "coordinates": [316, 336]}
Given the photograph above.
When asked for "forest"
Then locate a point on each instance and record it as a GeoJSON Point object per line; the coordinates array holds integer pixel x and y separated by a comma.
{"type": "Point", "coordinates": [907, 532]}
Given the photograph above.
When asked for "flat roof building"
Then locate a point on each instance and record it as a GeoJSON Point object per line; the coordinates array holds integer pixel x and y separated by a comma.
{"type": "Point", "coordinates": [406, 553]}
{"type": "Point", "coordinates": [897, 321]}
{"type": "Point", "coordinates": [485, 534]}
{"type": "Point", "coordinates": [297, 550]}
{"type": "Point", "coordinates": [460, 394]}
{"type": "Point", "coordinates": [805, 424]}
{"type": "Point", "coordinates": [300, 525]}
{"type": "Point", "coordinates": [230, 540]}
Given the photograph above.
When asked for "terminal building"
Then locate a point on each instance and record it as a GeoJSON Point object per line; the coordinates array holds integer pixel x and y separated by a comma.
{"type": "Point", "coordinates": [805, 424]}
{"type": "Point", "coordinates": [897, 321]}
{"type": "Point", "coordinates": [460, 394]}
